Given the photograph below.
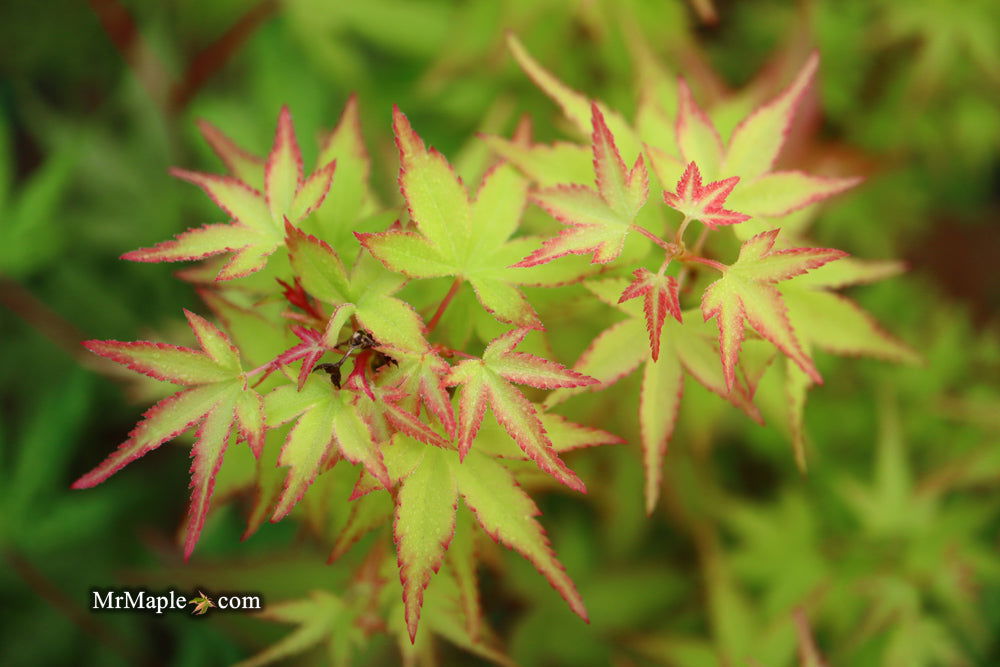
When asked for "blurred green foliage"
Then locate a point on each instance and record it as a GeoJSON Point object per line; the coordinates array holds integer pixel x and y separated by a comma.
{"type": "Point", "coordinates": [889, 544]}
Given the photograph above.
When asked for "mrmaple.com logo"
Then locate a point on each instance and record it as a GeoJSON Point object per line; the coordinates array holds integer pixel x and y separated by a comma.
{"type": "Point", "coordinates": [172, 600]}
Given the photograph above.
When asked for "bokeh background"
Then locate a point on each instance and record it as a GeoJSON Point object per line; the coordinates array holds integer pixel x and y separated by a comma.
{"type": "Point", "coordinates": [889, 545]}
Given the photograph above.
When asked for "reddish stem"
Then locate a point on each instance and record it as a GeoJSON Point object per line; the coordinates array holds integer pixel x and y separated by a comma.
{"type": "Point", "coordinates": [669, 247]}
{"type": "Point", "coordinates": [718, 266]}
{"type": "Point", "coordinates": [444, 305]}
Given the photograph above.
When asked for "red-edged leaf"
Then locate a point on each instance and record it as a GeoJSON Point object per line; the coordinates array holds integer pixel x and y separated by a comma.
{"type": "Point", "coordinates": [242, 164]}
{"type": "Point", "coordinates": [659, 405]}
{"type": "Point", "coordinates": [660, 296]}
{"type": "Point", "coordinates": [468, 240]}
{"type": "Point", "coordinates": [236, 198]}
{"type": "Point", "coordinates": [436, 199]}
{"type": "Point", "coordinates": [782, 192]}
{"type": "Point", "coordinates": [704, 202]}
{"type": "Point", "coordinates": [747, 293]}
{"type": "Point", "coordinates": [757, 140]}
{"type": "Point", "coordinates": [697, 137]}
{"type": "Point", "coordinates": [283, 171]}
{"type": "Point", "coordinates": [207, 453]}
{"type": "Point", "coordinates": [598, 220]}
{"type": "Point", "coordinates": [325, 418]}
{"type": "Point", "coordinates": [624, 190]}
{"type": "Point", "coordinates": [483, 382]}
{"type": "Point", "coordinates": [168, 363]}
{"type": "Point", "coordinates": [199, 243]}
{"type": "Point", "coordinates": [312, 193]}
{"type": "Point", "coordinates": [164, 421]}
{"type": "Point", "coordinates": [250, 417]}
{"type": "Point", "coordinates": [318, 266]}
{"type": "Point", "coordinates": [423, 528]}
{"type": "Point", "coordinates": [507, 514]}
{"type": "Point", "coordinates": [523, 368]}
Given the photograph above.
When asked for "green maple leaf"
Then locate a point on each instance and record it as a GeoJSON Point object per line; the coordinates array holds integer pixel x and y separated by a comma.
{"type": "Point", "coordinates": [674, 135]}
{"type": "Point", "coordinates": [365, 293]}
{"type": "Point", "coordinates": [597, 220]}
{"type": "Point", "coordinates": [327, 424]}
{"type": "Point", "coordinates": [746, 292]}
{"type": "Point", "coordinates": [831, 322]}
{"type": "Point", "coordinates": [320, 618]}
{"type": "Point", "coordinates": [216, 399]}
{"type": "Point", "coordinates": [433, 479]}
{"type": "Point", "coordinates": [488, 381]}
{"type": "Point", "coordinates": [686, 349]}
{"type": "Point", "coordinates": [456, 236]}
{"type": "Point", "coordinates": [749, 154]}
{"type": "Point", "coordinates": [258, 218]}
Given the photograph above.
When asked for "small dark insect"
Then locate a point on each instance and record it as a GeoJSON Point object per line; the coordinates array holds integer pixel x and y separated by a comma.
{"type": "Point", "coordinates": [380, 359]}
{"type": "Point", "coordinates": [333, 370]}
{"type": "Point", "coordinates": [359, 340]}
{"type": "Point", "coordinates": [362, 340]}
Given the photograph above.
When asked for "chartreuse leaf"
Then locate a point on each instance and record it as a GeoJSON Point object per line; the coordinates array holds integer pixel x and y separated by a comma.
{"type": "Point", "coordinates": [697, 138]}
{"type": "Point", "coordinates": [747, 158]}
{"type": "Point", "coordinates": [257, 226]}
{"type": "Point", "coordinates": [834, 323]}
{"type": "Point", "coordinates": [685, 348]}
{"type": "Point", "coordinates": [425, 518]}
{"type": "Point", "coordinates": [747, 293]}
{"type": "Point", "coordinates": [757, 140]}
{"type": "Point", "coordinates": [350, 197]}
{"type": "Point", "coordinates": [597, 221]}
{"type": "Point", "coordinates": [469, 240]}
{"type": "Point", "coordinates": [216, 397]}
{"type": "Point", "coordinates": [325, 419]}
{"type": "Point", "coordinates": [577, 108]}
{"type": "Point", "coordinates": [487, 381]}
{"type": "Point", "coordinates": [424, 525]}
{"type": "Point", "coordinates": [321, 617]}
{"type": "Point", "coordinates": [242, 164]}
{"type": "Point", "coordinates": [366, 291]}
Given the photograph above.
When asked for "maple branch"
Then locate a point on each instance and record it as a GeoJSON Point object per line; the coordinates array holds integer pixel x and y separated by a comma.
{"type": "Point", "coordinates": [686, 269]}
{"type": "Point", "coordinates": [212, 58]}
{"type": "Point", "coordinates": [124, 34]}
{"type": "Point", "coordinates": [669, 247]}
{"type": "Point", "coordinates": [452, 291]}
{"type": "Point", "coordinates": [679, 236]}
{"type": "Point", "coordinates": [718, 266]}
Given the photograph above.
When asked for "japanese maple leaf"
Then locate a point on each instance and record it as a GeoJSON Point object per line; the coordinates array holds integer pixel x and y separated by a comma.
{"type": "Point", "coordinates": [487, 381]}
{"type": "Point", "coordinates": [659, 297]}
{"type": "Point", "coordinates": [365, 293]}
{"type": "Point", "coordinates": [425, 519]}
{"type": "Point", "coordinates": [326, 423]}
{"type": "Point", "coordinates": [830, 322]}
{"type": "Point", "coordinates": [746, 292]}
{"type": "Point", "coordinates": [455, 236]}
{"type": "Point", "coordinates": [687, 350]}
{"type": "Point", "coordinates": [704, 202]}
{"type": "Point", "coordinates": [257, 226]}
{"type": "Point", "coordinates": [215, 398]}
{"type": "Point", "coordinates": [597, 220]}
{"type": "Point", "coordinates": [749, 155]}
